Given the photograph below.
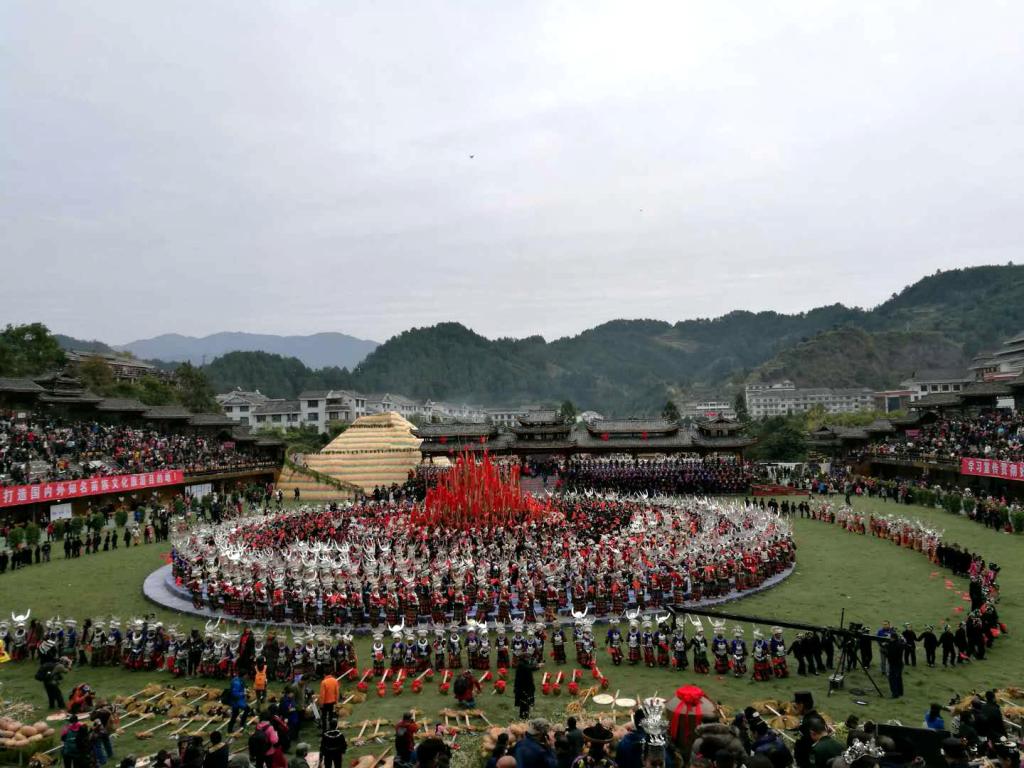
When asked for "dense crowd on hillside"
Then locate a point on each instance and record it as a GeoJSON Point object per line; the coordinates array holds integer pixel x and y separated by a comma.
{"type": "Point", "coordinates": [46, 448]}
{"type": "Point", "coordinates": [994, 435]}
{"type": "Point", "coordinates": [665, 476]}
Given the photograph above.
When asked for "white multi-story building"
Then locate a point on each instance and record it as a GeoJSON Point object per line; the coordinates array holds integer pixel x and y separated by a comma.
{"type": "Point", "coordinates": [320, 407]}
{"type": "Point", "coordinates": [239, 405]}
{"type": "Point", "coordinates": [930, 382]}
{"type": "Point", "coordinates": [1010, 356]}
{"type": "Point", "coordinates": [277, 414]}
{"type": "Point", "coordinates": [471, 414]}
{"type": "Point", "coordinates": [784, 397]}
{"type": "Point", "coordinates": [504, 416]}
{"type": "Point", "coordinates": [707, 409]}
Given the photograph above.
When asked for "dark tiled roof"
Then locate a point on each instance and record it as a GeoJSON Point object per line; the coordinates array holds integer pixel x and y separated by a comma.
{"type": "Point", "coordinates": [158, 412]}
{"type": "Point", "coordinates": [84, 397]}
{"type": "Point", "coordinates": [734, 441]}
{"type": "Point", "coordinates": [210, 420]}
{"type": "Point", "coordinates": [269, 442]}
{"type": "Point", "coordinates": [592, 437]}
{"type": "Point", "coordinates": [939, 374]}
{"type": "Point", "coordinates": [985, 389]}
{"type": "Point", "coordinates": [242, 435]}
{"type": "Point", "coordinates": [496, 443]}
{"type": "Point", "coordinates": [121, 404]}
{"type": "Point", "coordinates": [540, 417]}
{"type": "Point", "coordinates": [633, 426]}
{"type": "Point", "coordinates": [557, 428]}
{"type": "Point", "coordinates": [20, 386]}
{"type": "Point", "coordinates": [313, 394]}
{"type": "Point", "coordinates": [277, 406]}
{"type": "Point", "coordinates": [454, 430]}
{"type": "Point", "coordinates": [880, 426]}
{"type": "Point", "coordinates": [937, 400]}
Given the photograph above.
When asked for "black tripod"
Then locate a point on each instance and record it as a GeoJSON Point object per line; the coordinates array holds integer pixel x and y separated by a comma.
{"type": "Point", "coordinates": [848, 650]}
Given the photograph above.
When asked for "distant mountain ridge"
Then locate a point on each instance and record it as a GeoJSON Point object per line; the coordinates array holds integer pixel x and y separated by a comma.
{"type": "Point", "coordinates": [630, 367]}
{"type": "Point", "coordinates": [318, 350]}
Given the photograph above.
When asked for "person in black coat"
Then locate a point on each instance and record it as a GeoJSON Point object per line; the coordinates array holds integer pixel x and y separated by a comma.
{"type": "Point", "coordinates": [930, 643]}
{"type": "Point", "coordinates": [524, 689]}
{"type": "Point", "coordinates": [893, 650]}
{"type": "Point", "coordinates": [948, 642]}
{"type": "Point", "coordinates": [909, 645]}
{"type": "Point", "coordinates": [866, 651]}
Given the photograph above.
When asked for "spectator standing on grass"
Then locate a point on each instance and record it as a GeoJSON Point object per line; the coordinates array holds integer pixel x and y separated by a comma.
{"type": "Point", "coordinates": [333, 747]}
{"type": "Point", "coordinates": [239, 703]}
{"type": "Point", "coordinates": [51, 674]}
{"type": "Point", "coordinates": [218, 753]}
{"type": "Point", "coordinates": [299, 760]}
{"type": "Point", "coordinates": [329, 691]}
{"type": "Point", "coordinates": [405, 739]}
{"type": "Point", "coordinates": [74, 744]}
{"type": "Point", "coordinates": [535, 750]}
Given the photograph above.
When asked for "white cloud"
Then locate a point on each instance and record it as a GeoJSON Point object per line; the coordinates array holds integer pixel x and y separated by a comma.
{"type": "Point", "coordinates": [302, 167]}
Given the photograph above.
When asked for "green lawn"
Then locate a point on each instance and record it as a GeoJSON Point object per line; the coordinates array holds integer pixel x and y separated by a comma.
{"type": "Point", "coordinates": [873, 580]}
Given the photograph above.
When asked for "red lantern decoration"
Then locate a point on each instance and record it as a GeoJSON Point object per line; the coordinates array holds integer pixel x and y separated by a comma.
{"type": "Point", "coordinates": [605, 436]}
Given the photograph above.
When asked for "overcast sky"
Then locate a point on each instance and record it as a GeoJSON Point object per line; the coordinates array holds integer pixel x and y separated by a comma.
{"type": "Point", "coordinates": [365, 167]}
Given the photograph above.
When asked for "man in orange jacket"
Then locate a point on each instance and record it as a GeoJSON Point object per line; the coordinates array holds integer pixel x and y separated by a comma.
{"type": "Point", "coordinates": [329, 690]}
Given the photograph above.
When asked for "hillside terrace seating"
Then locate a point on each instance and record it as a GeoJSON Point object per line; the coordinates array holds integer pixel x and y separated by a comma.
{"type": "Point", "coordinates": [993, 436]}
{"type": "Point", "coordinates": [48, 449]}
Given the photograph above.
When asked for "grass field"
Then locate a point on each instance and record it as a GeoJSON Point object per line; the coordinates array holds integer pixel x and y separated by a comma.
{"type": "Point", "coordinates": [871, 579]}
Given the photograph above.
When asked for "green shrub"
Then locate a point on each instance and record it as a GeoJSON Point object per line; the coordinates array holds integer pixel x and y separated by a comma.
{"type": "Point", "coordinates": [59, 529]}
{"type": "Point", "coordinates": [953, 503]}
{"type": "Point", "coordinates": [97, 521]}
{"type": "Point", "coordinates": [121, 517]}
{"type": "Point", "coordinates": [969, 503]}
{"type": "Point", "coordinates": [15, 536]}
{"type": "Point", "coordinates": [76, 524]}
{"type": "Point", "coordinates": [1017, 520]}
{"type": "Point", "coordinates": [32, 534]}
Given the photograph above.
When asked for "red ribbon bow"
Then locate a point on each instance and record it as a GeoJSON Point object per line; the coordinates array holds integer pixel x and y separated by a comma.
{"type": "Point", "coordinates": [690, 697]}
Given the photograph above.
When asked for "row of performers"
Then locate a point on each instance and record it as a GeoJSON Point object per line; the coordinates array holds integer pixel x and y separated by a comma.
{"type": "Point", "coordinates": [661, 647]}
{"type": "Point", "coordinates": [441, 601]}
{"type": "Point", "coordinates": [150, 646]}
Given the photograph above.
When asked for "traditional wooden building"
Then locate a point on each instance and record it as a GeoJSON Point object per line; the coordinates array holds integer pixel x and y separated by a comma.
{"type": "Point", "coordinates": [450, 439]}
{"type": "Point", "coordinates": [546, 433]}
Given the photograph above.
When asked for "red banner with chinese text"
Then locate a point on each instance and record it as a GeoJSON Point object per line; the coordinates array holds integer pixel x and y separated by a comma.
{"type": "Point", "coordinates": [65, 490]}
{"type": "Point", "coordinates": [1005, 470]}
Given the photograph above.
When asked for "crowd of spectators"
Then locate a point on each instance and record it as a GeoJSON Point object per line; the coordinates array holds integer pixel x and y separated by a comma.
{"type": "Point", "coordinates": [664, 476]}
{"type": "Point", "coordinates": [46, 448]}
{"type": "Point", "coordinates": [995, 435]}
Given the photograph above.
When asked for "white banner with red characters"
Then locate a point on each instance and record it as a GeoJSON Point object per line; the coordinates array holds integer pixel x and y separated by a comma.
{"type": "Point", "coordinates": [64, 490]}
{"type": "Point", "coordinates": [1005, 470]}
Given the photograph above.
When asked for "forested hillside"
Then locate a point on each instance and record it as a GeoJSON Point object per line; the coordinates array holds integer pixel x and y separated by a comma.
{"type": "Point", "coordinates": [629, 366]}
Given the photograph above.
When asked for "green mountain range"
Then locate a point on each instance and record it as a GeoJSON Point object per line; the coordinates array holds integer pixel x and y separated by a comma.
{"type": "Point", "coordinates": [627, 367]}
